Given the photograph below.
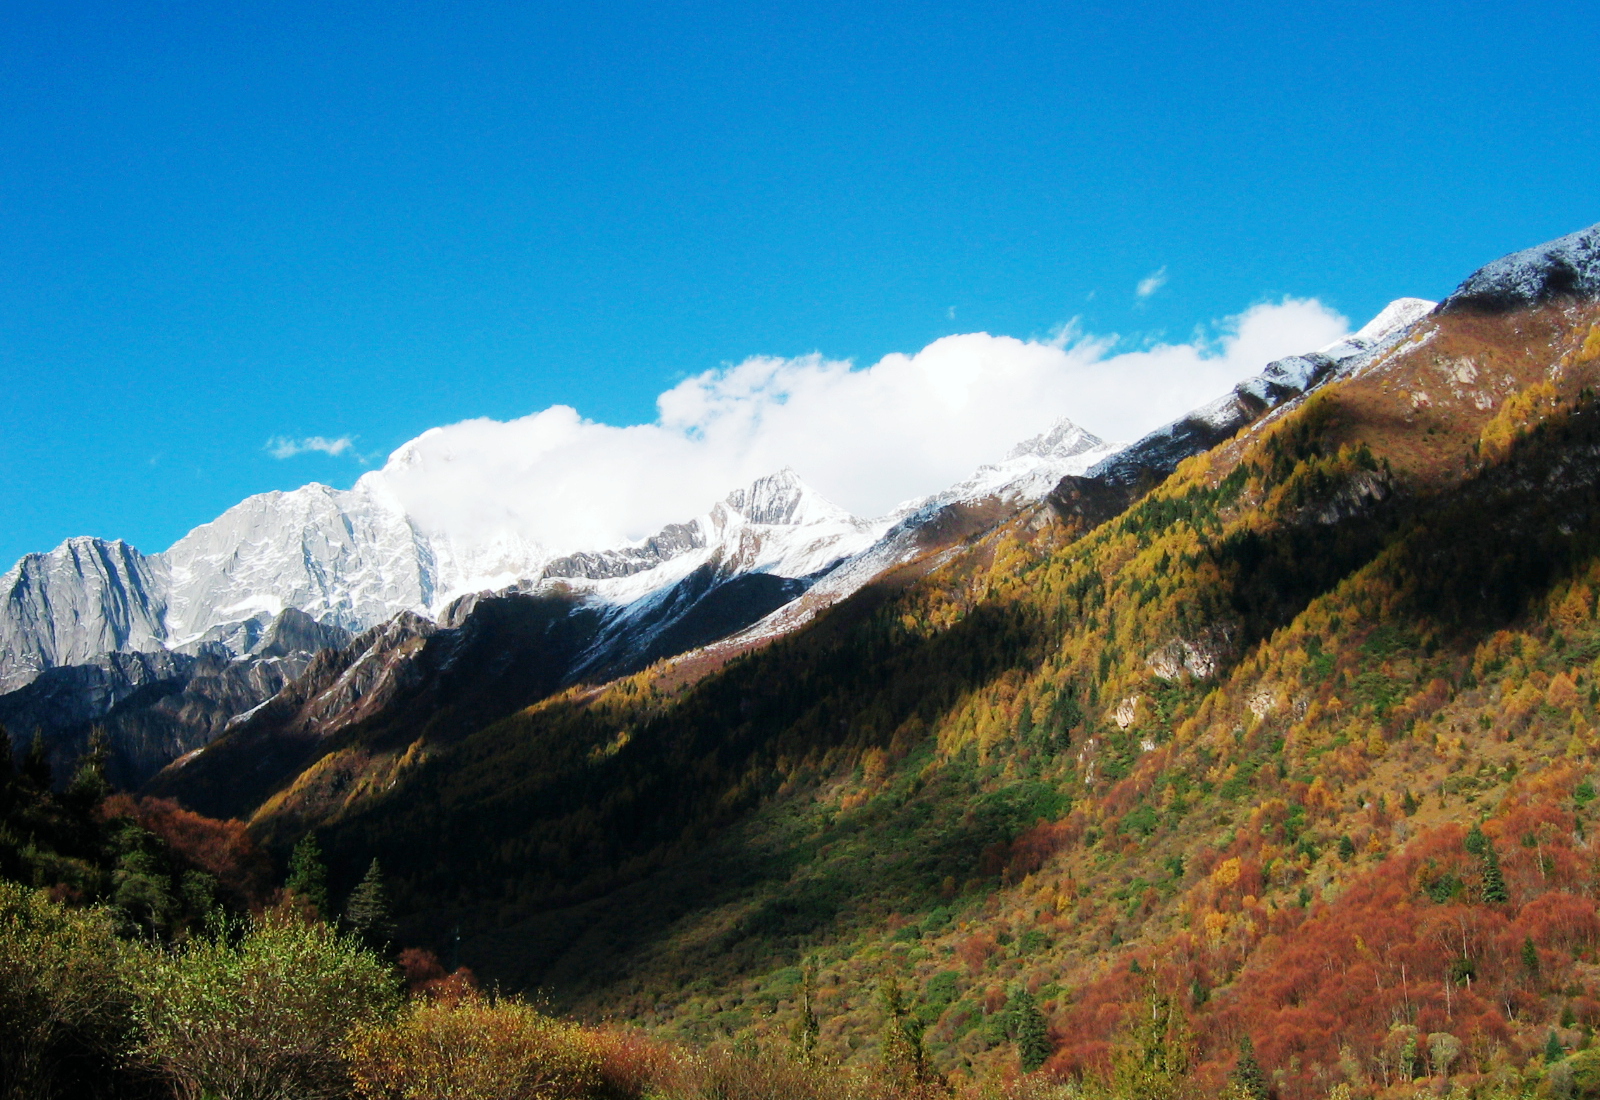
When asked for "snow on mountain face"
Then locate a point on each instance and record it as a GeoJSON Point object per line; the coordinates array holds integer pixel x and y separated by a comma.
{"type": "Point", "coordinates": [346, 558]}
{"type": "Point", "coordinates": [1567, 266]}
{"type": "Point", "coordinates": [1280, 381]}
{"type": "Point", "coordinates": [84, 598]}
{"type": "Point", "coordinates": [354, 558]}
{"type": "Point", "coordinates": [1031, 470]}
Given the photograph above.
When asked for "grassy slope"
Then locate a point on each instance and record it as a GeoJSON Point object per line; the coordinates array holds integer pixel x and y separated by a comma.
{"type": "Point", "coordinates": [980, 778]}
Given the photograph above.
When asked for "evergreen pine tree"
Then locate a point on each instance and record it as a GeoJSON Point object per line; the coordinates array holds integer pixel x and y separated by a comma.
{"type": "Point", "coordinates": [1347, 849]}
{"type": "Point", "coordinates": [1033, 1035]}
{"type": "Point", "coordinates": [1247, 1076]}
{"type": "Point", "coordinates": [308, 878]}
{"type": "Point", "coordinates": [903, 1059]}
{"type": "Point", "coordinates": [8, 770]}
{"type": "Point", "coordinates": [367, 911]}
{"type": "Point", "coordinates": [1530, 955]}
{"type": "Point", "coordinates": [804, 1035]}
{"type": "Point", "coordinates": [1152, 1062]}
{"type": "Point", "coordinates": [88, 786]}
{"type": "Point", "coordinates": [1553, 1050]}
{"type": "Point", "coordinates": [1475, 842]}
{"type": "Point", "coordinates": [1494, 883]}
{"type": "Point", "coordinates": [36, 764]}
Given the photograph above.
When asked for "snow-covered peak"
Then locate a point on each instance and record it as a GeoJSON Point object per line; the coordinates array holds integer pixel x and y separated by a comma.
{"type": "Point", "coordinates": [1566, 266]}
{"type": "Point", "coordinates": [86, 597]}
{"type": "Point", "coordinates": [1393, 318]}
{"type": "Point", "coordinates": [344, 557]}
{"type": "Point", "coordinates": [783, 498]}
{"type": "Point", "coordinates": [1063, 440]}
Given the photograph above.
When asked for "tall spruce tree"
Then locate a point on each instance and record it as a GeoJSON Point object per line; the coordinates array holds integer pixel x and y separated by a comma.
{"type": "Point", "coordinates": [1494, 883]}
{"type": "Point", "coordinates": [367, 912]}
{"type": "Point", "coordinates": [803, 1037]}
{"type": "Point", "coordinates": [1152, 1061]}
{"type": "Point", "coordinates": [1553, 1050]}
{"type": "Point", "coordinates": [1033, 1035]}
{"type": "Point", "coordinates": [308, 878]}
{"type": "Point", "coordinates": [1247, 1077]}
{"type": "Point", "coordinates": [88, 786]}
{"type": "Point", "coordinates": [36, 764]}
{"type": "Point", "coordinates": [8, 771]}
{"type": "Point", "coordinates": [904, 1061]}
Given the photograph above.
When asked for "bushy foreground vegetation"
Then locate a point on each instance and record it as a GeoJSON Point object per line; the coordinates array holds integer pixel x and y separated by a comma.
{"type": "Point", "coordinates": [284, 1006]}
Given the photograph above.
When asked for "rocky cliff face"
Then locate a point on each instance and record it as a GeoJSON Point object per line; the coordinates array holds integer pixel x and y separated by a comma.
{"type": "Point", "coordinates": [153, 707]}
{"type": "Point", "coordinates": [84, 598]}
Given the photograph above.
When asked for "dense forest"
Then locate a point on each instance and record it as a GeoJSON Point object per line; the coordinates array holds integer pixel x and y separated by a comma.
{"type": "Point", "coordinates": [1277, 783]}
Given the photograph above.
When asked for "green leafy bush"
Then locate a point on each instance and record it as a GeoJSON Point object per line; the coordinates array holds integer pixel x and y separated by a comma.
{"type": "Point", "coordinates": [65, 1004]}
{"type": "Point", "coordinates": [263, 1013]}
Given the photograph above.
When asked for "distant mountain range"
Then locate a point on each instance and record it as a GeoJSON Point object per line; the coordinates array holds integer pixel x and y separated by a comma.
{"type": "Point", "coordinates": [1280, 724]}
{"type": "Point", "coordinates": [118, 632]}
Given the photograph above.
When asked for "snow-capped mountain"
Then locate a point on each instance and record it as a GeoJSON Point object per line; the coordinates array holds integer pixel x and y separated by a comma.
{"type": "Point", "coordinates": [352, 559]}
{"type": "Point", "coordinates": [1036, 467]}
{"type": "Point", "coordinates": [1565, 267]}
{"type": "Point", "coordinates": [1160, 452]}
{"type": "Point", "coordinates": [84, 598]}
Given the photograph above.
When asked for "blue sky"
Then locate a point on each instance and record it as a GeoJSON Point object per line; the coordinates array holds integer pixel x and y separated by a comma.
{"type": "Point", "coordinates": [222, 224]}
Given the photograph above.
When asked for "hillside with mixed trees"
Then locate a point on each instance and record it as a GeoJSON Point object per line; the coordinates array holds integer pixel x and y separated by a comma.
{"type": "Point", "coordinates": [1278, 781]}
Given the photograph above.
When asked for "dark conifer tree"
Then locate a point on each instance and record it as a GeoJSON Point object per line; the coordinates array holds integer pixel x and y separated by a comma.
{"type": "Point", "coordinates": [1553, 1050]}
{"type": "Point", "coordinates": [1247, 1075]}
{"type": "Point", "coordinates": [904, 1062]}
{"type": "Point", "coordinates": [8, 771]}
{"type": "Point", "coordinates": [36, 764]}
{"type": "Point", "coordinates": [1033, 1035]}
{"type": "Point", "coordinates": [806, 1029]}
{"type": "Point", "coordinates": [1530, 955]}
{"type": "Point", "coordinates": [308, 878]}
{"type": "Point", "coordinates": [88, 786]}
{"type": "Point", "coordinates": [367, 912]}
{"type": "Point", "coordinates": [1494, 883]}
{"type": "Point", "coordinates": [1475, 842]}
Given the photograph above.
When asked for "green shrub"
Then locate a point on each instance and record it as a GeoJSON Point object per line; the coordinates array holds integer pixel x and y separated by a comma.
{"type": "Point", "coordinates": [65, 1004]}
{"type": "Point", "coordinates": [474, 1049]}
{"type": "Point", "coordinates": [263, 1014]}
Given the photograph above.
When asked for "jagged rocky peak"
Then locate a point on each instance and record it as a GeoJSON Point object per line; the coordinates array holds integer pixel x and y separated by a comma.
{"type": "Point", "coordinates": [1568, 267]}
{"type": "Point", "coordinates": [1063, 440]}
{"type": "Point", "coordinates": [86, 597]}
{"type": "Point", "coordinates": [345, 557]}
{"type": "Point", "coordinates": [783, 499]}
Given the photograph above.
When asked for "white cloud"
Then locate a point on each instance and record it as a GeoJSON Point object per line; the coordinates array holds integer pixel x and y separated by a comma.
{"type": "Point", "coordinates": [866, 438]}
{"type": "Point", "coordinates": [1152, 282]}
{"type": "Point", "coordinates": [283, 447]}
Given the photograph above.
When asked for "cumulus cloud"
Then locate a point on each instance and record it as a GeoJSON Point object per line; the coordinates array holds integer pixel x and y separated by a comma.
{"type": "Point", "coordinates": [283, 447]}
{"type": "Point", "coordinates": [867, 438]}
{"type": "Point", "coordinates": [1152, 282]}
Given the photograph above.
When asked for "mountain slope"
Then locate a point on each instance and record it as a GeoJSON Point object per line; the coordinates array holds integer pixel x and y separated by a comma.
{"type": "Point", "coordinates": [1194, 737]}
{"type": "Point", "coordinates": [760, 565]}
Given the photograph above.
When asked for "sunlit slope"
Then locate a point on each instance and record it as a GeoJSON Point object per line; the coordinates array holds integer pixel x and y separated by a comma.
{"type": "Point", "coordinates": [1038, 758]}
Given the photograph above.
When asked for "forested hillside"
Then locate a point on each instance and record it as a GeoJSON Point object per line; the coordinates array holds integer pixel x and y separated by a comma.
{"type": "Point", "coordinates": [1274, 776]}
{"type": "Point", "coordinates": [1255, 743]}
